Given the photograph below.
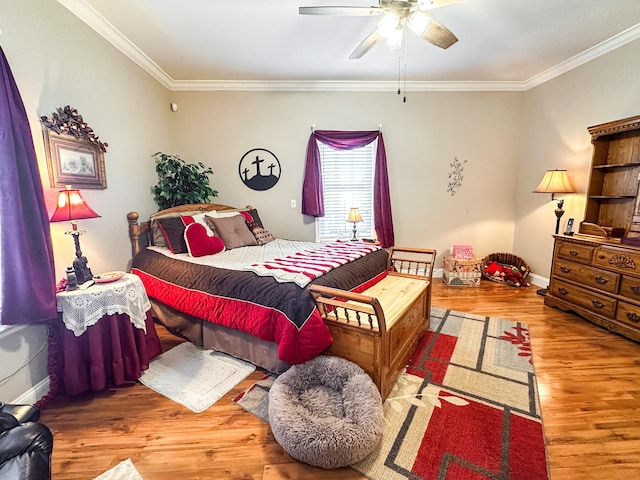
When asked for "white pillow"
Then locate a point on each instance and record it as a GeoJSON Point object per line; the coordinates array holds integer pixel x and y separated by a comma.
{"type": "Point", "coordinates": [222, 214]}
{"type": "Point", "coordinates": [199, 218]}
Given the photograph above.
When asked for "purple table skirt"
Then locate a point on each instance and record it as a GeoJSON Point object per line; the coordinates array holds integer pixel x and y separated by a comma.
{"type": "Point", "coordinates": [110, 353]}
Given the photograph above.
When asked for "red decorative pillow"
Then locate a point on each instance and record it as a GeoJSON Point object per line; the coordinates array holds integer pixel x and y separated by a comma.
{"type": "Point", "coordinates": [252, 218]}
{"type": "Point", "coordinates": [200, 243]}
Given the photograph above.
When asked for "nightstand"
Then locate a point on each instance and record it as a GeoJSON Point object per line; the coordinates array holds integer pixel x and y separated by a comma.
{"type": "Point", "coordinates": [107, 333]}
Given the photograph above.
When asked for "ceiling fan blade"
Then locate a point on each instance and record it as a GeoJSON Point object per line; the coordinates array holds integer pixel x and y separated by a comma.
{"type": "Point", "coordinates": [366, 45]}
{"type": "Point", "coordinates": [342, 11]}
{"type": "Point", "coordinates": [439, 35]}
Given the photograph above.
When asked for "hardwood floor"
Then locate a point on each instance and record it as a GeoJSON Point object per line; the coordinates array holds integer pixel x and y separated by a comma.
{"type": "Point", "coordinates": [588, 379]}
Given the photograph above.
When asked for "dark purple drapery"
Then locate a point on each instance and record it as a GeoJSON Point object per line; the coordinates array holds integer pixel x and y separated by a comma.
{"type": "Point", "coordinates": [312, 194]}
{"type": "Point", "coordinates": [27, 274]}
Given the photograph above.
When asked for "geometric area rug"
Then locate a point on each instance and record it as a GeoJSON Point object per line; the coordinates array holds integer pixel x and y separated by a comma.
{"type": "Point", "coordinates": [466, 408]}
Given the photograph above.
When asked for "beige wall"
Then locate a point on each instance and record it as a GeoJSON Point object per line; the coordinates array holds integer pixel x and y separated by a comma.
{"type": "Point", "coordinates": [555, 117]}
{"type": "Point", "coordinates": [422, 138]}
{"type": "Point", "coordinates": [56, 61]}
{"type": "Point", "coordinates": [507, 138]}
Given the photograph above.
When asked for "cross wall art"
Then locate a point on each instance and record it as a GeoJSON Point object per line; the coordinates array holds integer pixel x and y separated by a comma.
{"type": "Point", "coordinates": [259, 169]}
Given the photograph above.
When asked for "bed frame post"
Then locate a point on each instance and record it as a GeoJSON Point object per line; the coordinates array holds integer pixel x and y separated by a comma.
{"type": "Point", "coordinates": [134, 232]}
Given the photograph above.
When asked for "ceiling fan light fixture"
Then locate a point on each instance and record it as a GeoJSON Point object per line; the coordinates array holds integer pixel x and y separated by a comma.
{"type": "Point", "coordinates": [418, 22]}
{"type": "Point", "coordinates": [394, 41]}
{"type": "Point", "coordinates": [388, 24]}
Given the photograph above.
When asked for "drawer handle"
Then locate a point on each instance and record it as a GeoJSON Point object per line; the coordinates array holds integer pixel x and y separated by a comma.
{"type": "Point", "coordinates": [636, 290]}
{"type": "Point", "coordinates": [573, 253]}
{"type": "Point", "coordinates": [563, 291]}
{"type": "Point", "coordinates": [633, 317]}
{"type": "Point", "coordinates": [565, 269]}
{"type": "Point", "coordinates": [601, 280]}
{"type": "Point", "coordinates": [598, 304]}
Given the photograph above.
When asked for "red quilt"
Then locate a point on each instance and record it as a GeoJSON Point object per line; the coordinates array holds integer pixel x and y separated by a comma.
{"type": "Point", "coordinates": [261, 306]}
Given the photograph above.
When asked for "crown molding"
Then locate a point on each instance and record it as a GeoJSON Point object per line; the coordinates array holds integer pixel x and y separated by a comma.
{"type": "Point", "coordinates": [102, 26]}
{"type": "Point", "coordinates": [340, 86]}
{"type": "Point", "coordinates": [92, 18]}
{"type": "Point", "coordinates": [617, 41]}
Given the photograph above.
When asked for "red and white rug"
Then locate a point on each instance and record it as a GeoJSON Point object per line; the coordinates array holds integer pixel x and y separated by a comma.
{"type": "Point", "coordinates": [466, 408]}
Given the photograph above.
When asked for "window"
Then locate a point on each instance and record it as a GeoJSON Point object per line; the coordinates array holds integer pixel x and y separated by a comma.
{"type": "Point", "coordinates": [347, 180]}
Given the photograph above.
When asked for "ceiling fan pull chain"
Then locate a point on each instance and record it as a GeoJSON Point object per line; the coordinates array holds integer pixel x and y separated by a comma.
{"type": "Point", "coordinates": [399, 69]}
{"type": "Point", "coordinates": [404, 47]}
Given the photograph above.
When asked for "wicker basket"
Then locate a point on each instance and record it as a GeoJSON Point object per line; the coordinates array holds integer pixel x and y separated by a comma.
{"type": "Point", "coordinates": [504, 259]}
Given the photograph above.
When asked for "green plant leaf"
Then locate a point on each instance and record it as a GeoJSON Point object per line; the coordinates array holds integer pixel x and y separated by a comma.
{"type": "Point", "coordinates": [180, 182]}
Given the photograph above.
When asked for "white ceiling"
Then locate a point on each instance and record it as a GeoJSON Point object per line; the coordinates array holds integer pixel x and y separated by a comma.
{"type": "Point", "coordinates": [266, 44]}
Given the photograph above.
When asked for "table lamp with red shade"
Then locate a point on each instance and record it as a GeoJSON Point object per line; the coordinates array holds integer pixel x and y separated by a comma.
{"type": "Point", "coordinates": [72, 207]}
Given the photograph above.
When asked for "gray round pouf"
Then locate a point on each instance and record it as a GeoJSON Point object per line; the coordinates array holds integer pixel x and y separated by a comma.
{"type": "Point", "coordinates": [326, 412]}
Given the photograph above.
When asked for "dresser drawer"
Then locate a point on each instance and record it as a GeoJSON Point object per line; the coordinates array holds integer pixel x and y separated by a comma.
{"type": "Point", "coordinates": [594, 302]}
{"type": "Point", "coordinates": [617, 259]}
{"type": "Point", "coordinates": [630, 288]}
{"type": "Point", "coordinates": [628, 314]}
{"type": "Point", "coordinates": [586, 275]}
{"type": "Point", "coordinates": [576, 252]}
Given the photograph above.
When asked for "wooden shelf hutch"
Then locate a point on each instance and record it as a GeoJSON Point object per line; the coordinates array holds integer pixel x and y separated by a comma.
{"type": "Point", "coordinates": [596, 273]}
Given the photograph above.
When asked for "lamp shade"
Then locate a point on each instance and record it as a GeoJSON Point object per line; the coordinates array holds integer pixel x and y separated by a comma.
{"type": "Point", "coordinates": [554, 181]}
{"type": "Point", "coordinates": [71, 206]}
{"type": "Point", "coordinates": [354, 215]}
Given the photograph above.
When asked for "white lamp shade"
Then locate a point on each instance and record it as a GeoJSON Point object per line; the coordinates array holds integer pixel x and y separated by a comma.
{"type": "Point", "coordinates": [354, 215]}
{"type": "Point", "coordinates": [554, 181]}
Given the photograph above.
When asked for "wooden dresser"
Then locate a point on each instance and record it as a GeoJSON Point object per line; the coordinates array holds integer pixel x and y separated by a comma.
{"type": "Point", "coordinates": [599, 279]}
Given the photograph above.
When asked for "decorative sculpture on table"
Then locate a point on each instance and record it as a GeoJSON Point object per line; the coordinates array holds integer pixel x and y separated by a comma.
{"type": "Point", "coordinates": [71, 206]}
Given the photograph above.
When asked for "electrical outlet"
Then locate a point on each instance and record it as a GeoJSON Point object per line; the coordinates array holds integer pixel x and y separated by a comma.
{"type": "Point", "coordinates": [293, 203]}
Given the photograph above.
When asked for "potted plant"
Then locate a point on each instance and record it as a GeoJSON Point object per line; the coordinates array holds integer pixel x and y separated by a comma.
{"type": "Point", "coordinates": [181, 183]}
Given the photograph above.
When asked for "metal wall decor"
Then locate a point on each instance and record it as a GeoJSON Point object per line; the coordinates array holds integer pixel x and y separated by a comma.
{"type": "Point", "coordinates": [75, 154]}
{"type": "Point", "coordinates": [259, 169]}
{"type": "Point", "coordinates": [455, 176]}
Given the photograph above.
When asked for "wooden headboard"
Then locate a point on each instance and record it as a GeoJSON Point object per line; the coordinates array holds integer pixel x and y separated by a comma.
{"type": "Point", "coordinates": [139, 233]}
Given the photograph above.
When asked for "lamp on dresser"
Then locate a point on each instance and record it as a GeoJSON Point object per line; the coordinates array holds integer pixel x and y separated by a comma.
{"type": "Point", "coordinates": [72, 207]}
{"type": "Point", "coordinates": [554, 181]}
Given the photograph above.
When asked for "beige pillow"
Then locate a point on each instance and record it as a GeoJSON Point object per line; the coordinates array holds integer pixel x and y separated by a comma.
{"type": "Point", "coordinates": [233, 231]}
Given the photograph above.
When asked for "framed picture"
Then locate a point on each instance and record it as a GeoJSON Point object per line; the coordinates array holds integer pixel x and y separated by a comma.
{"type": "Point", "coordinates": [73, 161]}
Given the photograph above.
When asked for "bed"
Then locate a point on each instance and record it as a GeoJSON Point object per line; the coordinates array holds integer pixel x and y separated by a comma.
{"type": "Point", "coordinates": [246, 312]}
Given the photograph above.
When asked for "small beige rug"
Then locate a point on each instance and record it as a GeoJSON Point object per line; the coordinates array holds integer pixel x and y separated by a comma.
{"type": "Point", "coordinates": [193, 376]}
{"type": "Point", "coordinates": [123, 471]}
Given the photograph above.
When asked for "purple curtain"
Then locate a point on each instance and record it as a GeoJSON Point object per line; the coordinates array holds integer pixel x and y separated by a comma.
{"type": "Point", "coordinates": [312, 196]}
{"type": "Point", "coordinates": [27, 274]}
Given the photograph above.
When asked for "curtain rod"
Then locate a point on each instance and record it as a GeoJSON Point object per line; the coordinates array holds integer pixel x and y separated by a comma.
{"type": "Point", "coordinates": [313, 127]}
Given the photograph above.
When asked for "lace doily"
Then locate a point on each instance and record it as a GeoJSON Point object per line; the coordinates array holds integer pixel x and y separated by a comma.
{"type": "Point", "coordinates": [84, 308]}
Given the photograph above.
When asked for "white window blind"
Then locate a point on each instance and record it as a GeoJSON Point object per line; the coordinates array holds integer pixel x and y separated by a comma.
{"type": "Point", "coordinates": [347, 181]}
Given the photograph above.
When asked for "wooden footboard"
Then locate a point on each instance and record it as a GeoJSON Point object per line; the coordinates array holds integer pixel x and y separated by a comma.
{"type": "Point", "coordinates": [380, 328]}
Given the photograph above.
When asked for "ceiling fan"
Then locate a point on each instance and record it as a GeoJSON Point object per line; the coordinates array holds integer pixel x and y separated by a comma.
{"type": "Point", "coordinates": [395, 15]}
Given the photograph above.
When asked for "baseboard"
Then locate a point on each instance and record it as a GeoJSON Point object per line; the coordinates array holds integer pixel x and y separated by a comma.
{"type": "Point", "coordinates": [534, 279]}
{"type": "Point", "coordinates": [538, 280]}
{"type": "Point", "coordinates": [35, 393]}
